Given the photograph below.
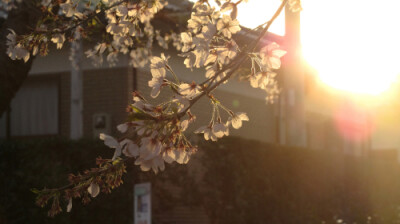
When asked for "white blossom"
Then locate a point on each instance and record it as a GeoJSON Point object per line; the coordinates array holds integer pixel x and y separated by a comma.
{"type": "Point", "coordinates": [156, 163]}
{"type": "Point", "coordinates": [271, 55]}
{"type": "Point", "coordinates": [220, 129]}
{"type": "Point", "coordinates": [150, 147]}
{"type": "Point", "coordinates": [68, 8]}
{"type": "Point", "coordinates": [158, 65]}
{"type": "Point", "coordinates": [208, 133]}
{"type": "Point", "coordinates": [202, 13]}
{"type": "Point", "coordinates": [227, 53]}
{"type": "Point", "coordinates": [18, 52]}
{"type": "Point", "coordinates": [169, 155]}
{"type": "Point", "coordinates": [93, 189]}
{"type": "Point", "coordinates": [207, 32]}
{"type": "Point", "coordinates": [112, 143]}
{"type": "Point", "coordinates": [190, 59]}
{"type": "Point", "coordinates": [236, 119]}
{"type": "Point", "coordinates": [122, 127]}
{"type": "Point", "coordinates": [227, 26]}
{"type": "Point", "coordinates": [189, 90]}
{"type": "Point", "coordinates": [14, 49]}
{"type": "Point", "coordinates": [156, 83]}
{"type": "Point", "coordinates": [187, 41]}
{"type": "Point", "coordinates": [122, 10]}
{"type": "Point", "coordinates": [58, 39]}
{"type": "Point", "coordinates": [262, 80]}
{"type": "Point", "coordinates": [115, 28]}
{"type": "Point", "coordinates": [130, 149]}
{"type": "Point", "coordinates": [69, 206]}
{"type": "Point", "coordinates": [194, 24]}
{"type": "Point", "coordinates": [181, 156]}
{"type": "Point", "coordinates": [214, 131]}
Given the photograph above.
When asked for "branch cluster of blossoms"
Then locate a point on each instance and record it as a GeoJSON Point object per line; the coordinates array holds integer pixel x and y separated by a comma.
{"type": "Point", "coordinates": [130, 30]}
{"type": "Point", "coordinates": [158, 135]}
{"type": "Point", "coordinates": [154, 134]}
{"type": "Point", "coordinates": [104, 178]}
{"type": "Point", "coordinates": [126, 24]}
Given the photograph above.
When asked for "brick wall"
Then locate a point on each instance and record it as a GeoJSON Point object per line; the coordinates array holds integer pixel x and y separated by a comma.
{"type": "Point", "coordinates": [64, 104]}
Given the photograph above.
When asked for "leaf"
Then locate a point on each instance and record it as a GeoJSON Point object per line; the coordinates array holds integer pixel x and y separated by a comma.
{"type": "Point", "coordinates": [93, 189]}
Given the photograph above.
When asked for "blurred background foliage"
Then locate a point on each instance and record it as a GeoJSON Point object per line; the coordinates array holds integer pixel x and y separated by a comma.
{"type": "Point", "coordinates": [232, 181]}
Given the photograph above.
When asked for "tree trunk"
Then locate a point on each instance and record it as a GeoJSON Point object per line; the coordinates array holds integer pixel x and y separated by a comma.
{"type": "Point", "coordinates": [13, 73]}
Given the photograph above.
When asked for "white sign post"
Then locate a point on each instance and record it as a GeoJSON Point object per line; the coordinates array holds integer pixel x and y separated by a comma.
{"type": "Point", "coordinates": [142, 200]}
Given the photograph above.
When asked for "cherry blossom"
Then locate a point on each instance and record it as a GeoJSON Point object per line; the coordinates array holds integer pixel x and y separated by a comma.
{"type": "Point", "coordinates": [59, 40]}
{"type": "Point", "coordinates": [189, 90]}
{"type": "Point", "coordinates": [214, 131]}
{"type": "Point", "coordinates": [131, 149]}
{"type": "Point", "coordinates": [68, 8]}
{"type": "Point", "coordinates": [156, 83]}
{"type": "Point", "coordinates": [112, 143]}
{"type": "Point", "coordinates": [228, 26]}
{"type": "Point", "coordinates": [155, 133]}
{"type": "Point", "coordinates": [122, 127]}
{"type": "Point", "coordinates": [262, 79]}
{"type": "Point", "coordinates": [158, 65]}
{"type": "Point", "coordinates": [236, 119]}
{"type": "Point", "coordinates": [69, 206]}
{"type": "Point", "coordinates": [271, 55]}
{"type": "Point", "coordinates": [93, 190]}
{"type": "Point", "coordinates": [14, 49]}
{"type": "Point", "coordinates": [187, 41]}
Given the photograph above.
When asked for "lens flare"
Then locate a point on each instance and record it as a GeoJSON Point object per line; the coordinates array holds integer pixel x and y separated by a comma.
{"type": "Point", "coordinates": [353, 122]}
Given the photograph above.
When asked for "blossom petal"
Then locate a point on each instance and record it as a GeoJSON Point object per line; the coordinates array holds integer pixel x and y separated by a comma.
{"type": "Point", "coordinates": [94, 189]}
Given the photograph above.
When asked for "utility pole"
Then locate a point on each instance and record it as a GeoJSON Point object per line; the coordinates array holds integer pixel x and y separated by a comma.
{"type": "Point", "coordinates": [76, 116]}
{"type": "Point", "coordinates": [293, 84]}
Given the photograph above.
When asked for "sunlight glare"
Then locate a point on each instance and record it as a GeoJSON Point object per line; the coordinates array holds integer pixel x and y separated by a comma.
{"type": "Point", "coordinates": [354, 45]}
{"type": "Point", "coordinates": [256, 12]}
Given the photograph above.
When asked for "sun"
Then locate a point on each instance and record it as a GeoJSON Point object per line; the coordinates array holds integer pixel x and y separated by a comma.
{"type": "Point", "coordinates": [354, 45]}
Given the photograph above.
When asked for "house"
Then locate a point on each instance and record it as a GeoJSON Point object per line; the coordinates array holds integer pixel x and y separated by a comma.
{"type": "Point", "coordinates": [46, 105]}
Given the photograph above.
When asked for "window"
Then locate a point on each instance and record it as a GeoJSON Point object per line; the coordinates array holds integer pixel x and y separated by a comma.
{"type": "Point", "coordinates": [34, 109]}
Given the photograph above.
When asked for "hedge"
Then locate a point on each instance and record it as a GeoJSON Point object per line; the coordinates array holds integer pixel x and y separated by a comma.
{"type": "Point", "coordinates": [233, 181]}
